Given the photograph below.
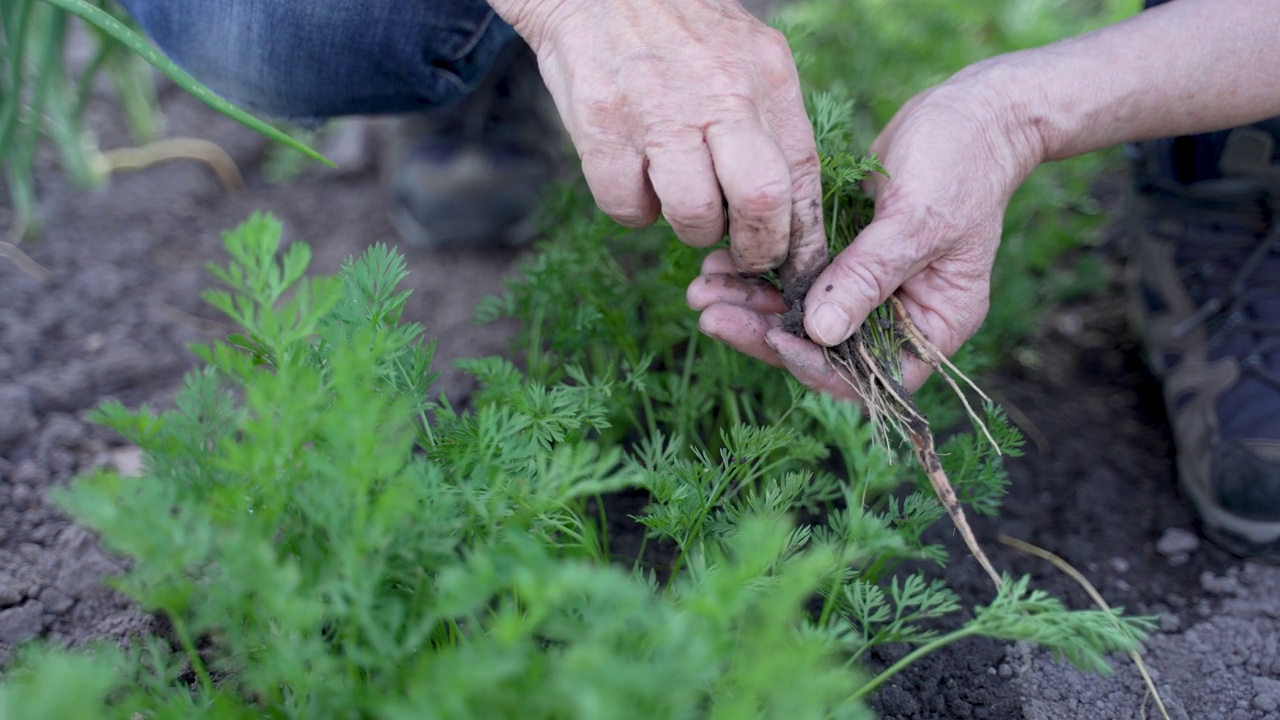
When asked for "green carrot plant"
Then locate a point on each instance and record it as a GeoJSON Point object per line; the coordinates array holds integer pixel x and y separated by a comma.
{"type": "Point", "coordinates": [324, 541]}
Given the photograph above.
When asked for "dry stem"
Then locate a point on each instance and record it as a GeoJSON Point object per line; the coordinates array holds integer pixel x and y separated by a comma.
{"type": "Point", "coordinates": [33, 269]}
{"type": "Point", "coordinates": [1096, 596]}
{"type": "Point", "coordinates": [888, 402]}
{"type": "Point", "coordinates": [177, 149]}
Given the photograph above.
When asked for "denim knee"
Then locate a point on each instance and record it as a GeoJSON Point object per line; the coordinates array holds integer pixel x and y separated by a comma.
{"type": "Point", "coordinates": [305, 61]}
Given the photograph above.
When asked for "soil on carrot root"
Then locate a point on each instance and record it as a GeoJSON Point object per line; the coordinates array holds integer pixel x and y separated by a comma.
{"type": "Point", "coordinates": [115, 323]}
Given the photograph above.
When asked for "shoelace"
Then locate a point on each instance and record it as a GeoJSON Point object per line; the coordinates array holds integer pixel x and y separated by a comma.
{"type": "Point", "coordinates": [1249, 207]}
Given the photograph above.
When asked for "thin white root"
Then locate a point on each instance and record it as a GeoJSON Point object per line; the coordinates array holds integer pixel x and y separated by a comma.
{"type": "Point", "coordinates": [931, 355]}
{"type": "Point", "coordinates": [938, 357]}
{"type": "Point", "coordinates": [916, 430]}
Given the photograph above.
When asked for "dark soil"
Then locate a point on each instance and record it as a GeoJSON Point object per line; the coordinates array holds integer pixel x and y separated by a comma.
{"type": "Point", "coordinates": [124, 304]}
{"type": "Point", "coordinates": [1097, 487]}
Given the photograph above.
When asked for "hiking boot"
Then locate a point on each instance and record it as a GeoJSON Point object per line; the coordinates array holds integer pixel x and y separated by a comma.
{"type": "Point", "coordinates": [473, 175]}
{"type": "Point", "coordinates": [1205, 292]}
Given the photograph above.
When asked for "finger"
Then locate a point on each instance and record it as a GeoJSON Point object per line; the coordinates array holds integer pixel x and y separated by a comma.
{"type": "Point", "coordinates": [684, 180]}
{"type": "Point", "coordinates": [756, 182]}
{"type": "Point", "coordinates": [809, 364]}
{"type": "Point", "coordinates": [719, 262]}
{"type": "Point", "coordinates": [741, 329]}
{"type": "Point", "coordinates": [767, 299]}
{"type": "Point", "coordinates": [884, 255]}
{"type": "Point", "coordinates": [753, 293]}
{"type": "Point", "coordinates": [618, 182]}
{"type": "Point", "coordinates": [807, 239]}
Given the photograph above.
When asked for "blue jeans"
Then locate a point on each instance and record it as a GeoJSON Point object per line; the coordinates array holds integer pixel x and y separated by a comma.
{"type": "Point", "coordinates": [305, 60]}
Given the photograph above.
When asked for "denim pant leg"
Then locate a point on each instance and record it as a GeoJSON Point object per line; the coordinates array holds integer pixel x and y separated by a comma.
{"type": "Point", "coordinates": [304, 60]}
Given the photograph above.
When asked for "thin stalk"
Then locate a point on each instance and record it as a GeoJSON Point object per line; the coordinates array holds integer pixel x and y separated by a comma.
{"type": "Point", "coordinates": [22, 192]}
{"type": "Point", "coordinates": [61, 120]}
{"type": "Point", "coordinates": [910, 658]}
{"type": "Point", "coordinates": [1096, 596]}
{"type": "Point", "coordinates": [829, 602]}
{"type": "Point", "coordinates": [139, 45]}
{"type": "Point", "coordinates": [197, 663]}
{"type": "Point", "coordinates": [15, 33]}
{"type": "Point", "coordinates": [604, 527]}
{"type": "Point", "coordinates": [137, 95]}
{"type": "Point", "coordinates": [717, 494]}
{"type": "Point", "coordinates": [84, 86]}
{"type": "Point", "coordinates": [690, 357]}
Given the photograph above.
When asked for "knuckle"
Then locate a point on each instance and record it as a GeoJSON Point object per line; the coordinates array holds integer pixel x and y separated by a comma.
{"type": "Point", "coordinates": [628, 214]}
{"type": "Point", "coordinates": [807, 171]}
{"type": "Point", "coordinates": [765, 199]}
{"type": "Point", "coordinates": [601, 109]}
{"type": "Point", "coordinates": [776, 41]}
{"type": "Point", "coordinates": [705, 214]}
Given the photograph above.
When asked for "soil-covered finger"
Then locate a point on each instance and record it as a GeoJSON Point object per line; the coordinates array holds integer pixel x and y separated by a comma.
{"type": "Point", "coordinates": [753, 293]}
{"type": "Point", "coordinates": [757, 187]}
{"type": "Point", "coordinates": [807, 251]}
{"type": "Point", "coordinates": [809, 364]}
{"type": "Point", "coordinates": [741, 329]}
{"type": "Point", "coordinates": [719, 262]}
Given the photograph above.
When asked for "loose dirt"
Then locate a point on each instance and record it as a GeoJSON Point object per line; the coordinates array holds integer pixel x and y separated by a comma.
{"type": "Point", "coordinates": [124, 304]}
{"type": "Point", "coordinates": [1097, 487]}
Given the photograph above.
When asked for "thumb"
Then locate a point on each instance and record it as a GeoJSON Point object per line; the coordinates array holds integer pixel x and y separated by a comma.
{"type": "Point", "coordinates": [862, 277]}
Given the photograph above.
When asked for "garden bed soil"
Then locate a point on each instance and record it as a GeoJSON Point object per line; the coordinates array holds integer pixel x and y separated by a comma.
{"type": "Point", "coordinates": [1097, 487]}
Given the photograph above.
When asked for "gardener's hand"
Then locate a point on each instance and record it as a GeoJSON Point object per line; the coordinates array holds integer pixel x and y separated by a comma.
{"type": "Point", "coordinates": [953, 159]}
{"type": "Point", "coordinates": [688, 108]}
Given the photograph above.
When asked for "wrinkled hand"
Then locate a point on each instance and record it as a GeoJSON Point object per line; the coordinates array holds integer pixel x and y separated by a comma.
{"type": "Point", "coordinates": [953, 158]}
{"type": "Point", "coordinates": [691, 108]}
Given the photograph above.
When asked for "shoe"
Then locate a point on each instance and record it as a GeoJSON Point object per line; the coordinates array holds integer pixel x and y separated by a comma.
{"type": "Point", "coordinates": [473, 175]}
{"type": "Point", "coordinates": [1204, 281]}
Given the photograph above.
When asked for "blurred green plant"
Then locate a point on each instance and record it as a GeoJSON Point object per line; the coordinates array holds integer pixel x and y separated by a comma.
{"type": "Point", "coordinates": [41, 95]}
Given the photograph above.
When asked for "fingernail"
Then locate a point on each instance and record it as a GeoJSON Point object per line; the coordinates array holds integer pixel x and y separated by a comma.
{"type": "Point", "coordinates": [830, 323]}
{"type": "Point", "coordinates": [769, 341]}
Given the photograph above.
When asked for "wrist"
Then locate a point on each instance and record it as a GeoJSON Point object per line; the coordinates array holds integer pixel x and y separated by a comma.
{"type": "Point", "coordinates": [1057, 102]}
{"type": "Point", "coordinates": [533, 20]}
{"type": "Point", "coordinates": [1002, 111]}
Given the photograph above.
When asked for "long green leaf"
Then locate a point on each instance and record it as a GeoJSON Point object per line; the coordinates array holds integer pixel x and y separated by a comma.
{"type": "Point", "coordinates": [14, 25]}
{"type": "Point", "coordinates": [135, 42]}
